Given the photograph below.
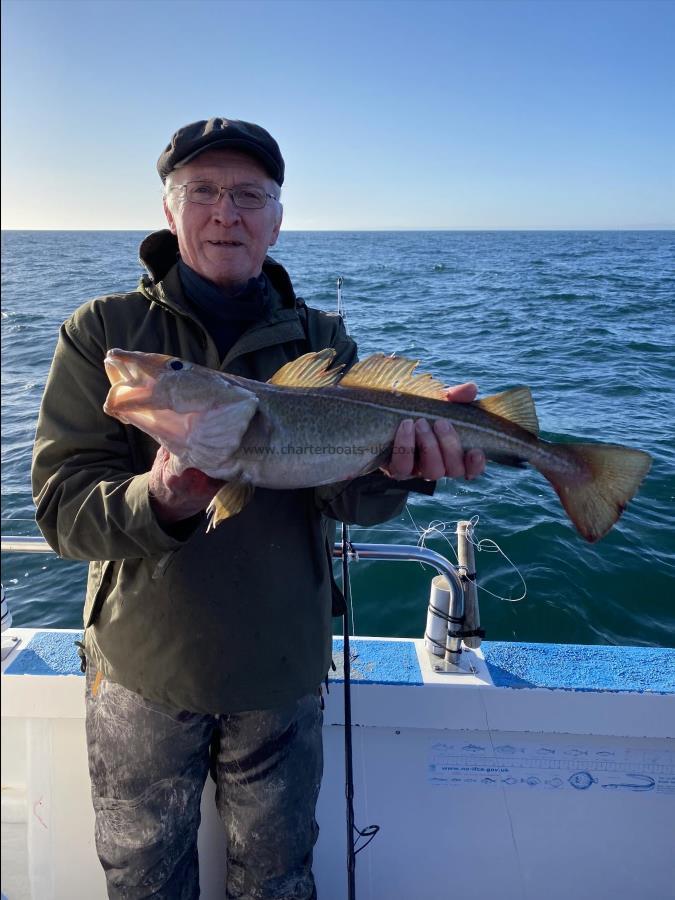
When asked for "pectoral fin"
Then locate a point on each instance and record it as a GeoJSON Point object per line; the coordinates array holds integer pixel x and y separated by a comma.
{"type": "Point", "coordinates": [230, 500]}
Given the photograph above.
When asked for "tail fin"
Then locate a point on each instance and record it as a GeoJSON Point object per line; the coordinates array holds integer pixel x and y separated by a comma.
{"type": "Point", "coordinates": [595, 496]}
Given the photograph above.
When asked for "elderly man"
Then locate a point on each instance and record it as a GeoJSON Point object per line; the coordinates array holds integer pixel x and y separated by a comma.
{"type": "Point", "coordinates": [205, 651]}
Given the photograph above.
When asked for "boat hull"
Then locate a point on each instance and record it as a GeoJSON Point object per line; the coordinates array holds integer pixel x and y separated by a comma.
{"type": "Point", "coordinates": [544, 770]}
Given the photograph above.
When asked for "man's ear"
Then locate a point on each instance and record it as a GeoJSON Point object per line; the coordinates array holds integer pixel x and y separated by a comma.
{"type": "Point", "coordinates": [277, 226]}
{"type": "Point", "coordinates": [169, 216]}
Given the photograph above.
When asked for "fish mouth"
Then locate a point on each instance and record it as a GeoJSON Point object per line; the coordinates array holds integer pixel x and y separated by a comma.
{"type": "Point", "coordinates": [130, 386]}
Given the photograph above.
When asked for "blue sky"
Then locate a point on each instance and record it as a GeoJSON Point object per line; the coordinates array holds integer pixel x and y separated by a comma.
{"type": "Point", "coordinates": [419, 114]}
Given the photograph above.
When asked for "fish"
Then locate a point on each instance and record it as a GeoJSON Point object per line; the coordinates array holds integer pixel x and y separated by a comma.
{"type": "Point", "coordinates": [314, 424]}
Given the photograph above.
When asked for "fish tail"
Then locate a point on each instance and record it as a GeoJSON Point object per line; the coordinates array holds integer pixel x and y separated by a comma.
{"type": "Point", "coordinates": [596, 488]}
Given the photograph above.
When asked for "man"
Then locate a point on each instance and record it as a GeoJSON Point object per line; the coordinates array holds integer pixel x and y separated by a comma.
{"type": "Point", "coordinates": [206, 649]}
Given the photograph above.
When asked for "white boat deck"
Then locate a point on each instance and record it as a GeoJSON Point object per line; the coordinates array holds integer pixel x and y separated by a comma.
{"type": "Point", "coordinates": [548, 771]}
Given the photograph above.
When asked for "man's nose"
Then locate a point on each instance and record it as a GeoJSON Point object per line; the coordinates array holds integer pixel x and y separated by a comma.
{"type": "Point", "coordinates": [225, 210]}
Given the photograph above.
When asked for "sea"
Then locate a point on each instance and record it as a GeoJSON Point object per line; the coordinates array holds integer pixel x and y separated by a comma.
{"type": "Point", "coordinates": [585, 319]}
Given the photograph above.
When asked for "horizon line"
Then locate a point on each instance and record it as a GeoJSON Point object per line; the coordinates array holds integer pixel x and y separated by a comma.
{"type": "Point", "coordinates": [669, 227]}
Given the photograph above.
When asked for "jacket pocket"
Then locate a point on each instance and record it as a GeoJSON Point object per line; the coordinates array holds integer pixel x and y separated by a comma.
{"type": "Point", "coordinates": [98, 585]}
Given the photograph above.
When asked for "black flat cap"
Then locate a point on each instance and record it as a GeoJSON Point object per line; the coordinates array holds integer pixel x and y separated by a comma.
{"type": "Point", "coordinates": [206, 134]}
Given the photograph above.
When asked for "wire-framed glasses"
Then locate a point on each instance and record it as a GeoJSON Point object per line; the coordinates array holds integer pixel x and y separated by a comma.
{"type": "Point", "coordinates": [208, 193]}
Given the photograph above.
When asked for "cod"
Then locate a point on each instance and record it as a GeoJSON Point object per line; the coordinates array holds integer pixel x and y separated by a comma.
{"type": "Point", "coordinates": [311, 424]}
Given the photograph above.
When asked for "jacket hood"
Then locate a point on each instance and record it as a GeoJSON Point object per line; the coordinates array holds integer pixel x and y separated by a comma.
{"type": "Point", "coordinates": [158, 252]}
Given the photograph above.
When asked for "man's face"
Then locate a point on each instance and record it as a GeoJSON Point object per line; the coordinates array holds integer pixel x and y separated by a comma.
{"type": "Point", "coordinates": [223, 243]}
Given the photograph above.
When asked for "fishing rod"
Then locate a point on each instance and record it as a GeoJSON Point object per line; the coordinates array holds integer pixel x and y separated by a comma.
{"type": "Point", "coordinates": [349, 767]}
{"type": "Point", "coordinates": [353, 833]}
{"type": "Point", "coordinates": [346, 674]}
{"type": "Point", "coordinates": [341, 310]}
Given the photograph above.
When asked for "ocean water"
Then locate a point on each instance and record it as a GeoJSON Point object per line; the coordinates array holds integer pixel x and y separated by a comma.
{"type": "Point", "coordinates": [586, 319]}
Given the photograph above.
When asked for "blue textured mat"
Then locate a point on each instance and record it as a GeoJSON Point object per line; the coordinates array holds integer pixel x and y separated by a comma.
{"type": "Point", "coordinates": [378, 662]}
{"type": "Point", "coordinates": [373, 662]}
{"type": "Point", "coordinates": [48, 653]}
{"type": "Point", "coordinates": [557, 666]}
{"type": "Point", "coordinates": [579, 667]}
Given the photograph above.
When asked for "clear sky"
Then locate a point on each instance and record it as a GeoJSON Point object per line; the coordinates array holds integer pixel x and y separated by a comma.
{"type": "Point", "coordinates": [482, 114]}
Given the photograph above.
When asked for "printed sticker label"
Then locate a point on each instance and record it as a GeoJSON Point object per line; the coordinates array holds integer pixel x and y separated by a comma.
{"type": "Point", "coordinates": [550, 766]}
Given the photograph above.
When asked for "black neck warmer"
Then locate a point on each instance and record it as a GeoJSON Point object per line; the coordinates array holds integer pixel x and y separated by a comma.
{"type": "Point", "coordinates": [225, 316]}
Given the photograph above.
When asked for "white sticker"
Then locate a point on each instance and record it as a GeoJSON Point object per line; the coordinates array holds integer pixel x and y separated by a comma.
{"type": "Point", "coordinates": [552, 766]}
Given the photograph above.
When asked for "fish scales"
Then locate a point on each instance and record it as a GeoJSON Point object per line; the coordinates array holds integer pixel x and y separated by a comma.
{"type": "Point", "coordinates": [335, 416]}
{"type": "Point", "coordinates": [304, 435]}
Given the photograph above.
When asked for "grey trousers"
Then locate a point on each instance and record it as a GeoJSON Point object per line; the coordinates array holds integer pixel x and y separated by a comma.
{"type": "Point", "coordinates": [148, 764]}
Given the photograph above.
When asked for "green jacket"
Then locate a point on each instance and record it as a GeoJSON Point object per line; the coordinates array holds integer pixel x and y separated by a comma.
{"type": "Point", "coordinates": [233, 619]}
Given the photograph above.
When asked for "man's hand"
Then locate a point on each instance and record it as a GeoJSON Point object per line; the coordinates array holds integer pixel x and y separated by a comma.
{"type": "Point", "coordinates": [176, 497]}
{"type": "Point", "coordinates": [423, 451]}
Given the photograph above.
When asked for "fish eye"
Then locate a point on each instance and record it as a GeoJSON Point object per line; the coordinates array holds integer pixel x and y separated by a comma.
{"type": "Point", "coordinates": [178, 364]}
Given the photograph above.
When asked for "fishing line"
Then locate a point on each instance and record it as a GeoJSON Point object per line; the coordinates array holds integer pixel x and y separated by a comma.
{"type": "Point", "coordinates": [505, 798]}
{"type": "Point", "coordinates": [485, 545]}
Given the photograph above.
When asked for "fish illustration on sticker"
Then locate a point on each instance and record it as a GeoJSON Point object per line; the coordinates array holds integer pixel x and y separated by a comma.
{"type": "Point", "coordinates": [582, 780]}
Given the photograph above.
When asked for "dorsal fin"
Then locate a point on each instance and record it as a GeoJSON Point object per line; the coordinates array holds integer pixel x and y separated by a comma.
{"type": "Point", "coordinates": [310, 370]}
{"type": "Point", "coordinates": [516, 405]}
{"type": "Point", "coordinates": [393, 373]}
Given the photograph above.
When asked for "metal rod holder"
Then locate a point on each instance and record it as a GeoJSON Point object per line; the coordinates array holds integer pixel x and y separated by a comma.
{"type": "Point", "coordinates": [452, 662]}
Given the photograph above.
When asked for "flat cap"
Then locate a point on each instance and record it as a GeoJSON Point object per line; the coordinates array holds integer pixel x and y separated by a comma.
{"type": "Point", "coordinates": [193, 139]}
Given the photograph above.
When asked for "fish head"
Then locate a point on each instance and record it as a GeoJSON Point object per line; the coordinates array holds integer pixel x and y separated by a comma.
{"type": "Point", "coordinates": [154, 380]}
{"type": "Point", "coordinates": [180, 404]}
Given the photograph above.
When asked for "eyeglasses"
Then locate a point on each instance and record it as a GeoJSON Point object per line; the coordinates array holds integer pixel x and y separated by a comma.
{"type": "Point", "coordinates": [208, 193]}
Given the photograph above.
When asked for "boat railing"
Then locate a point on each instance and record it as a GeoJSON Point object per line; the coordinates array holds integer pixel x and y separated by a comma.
{"type": "Point", "coordinates": [452, 591]}
{"type": "Point", "coordinates": [12, 544]}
